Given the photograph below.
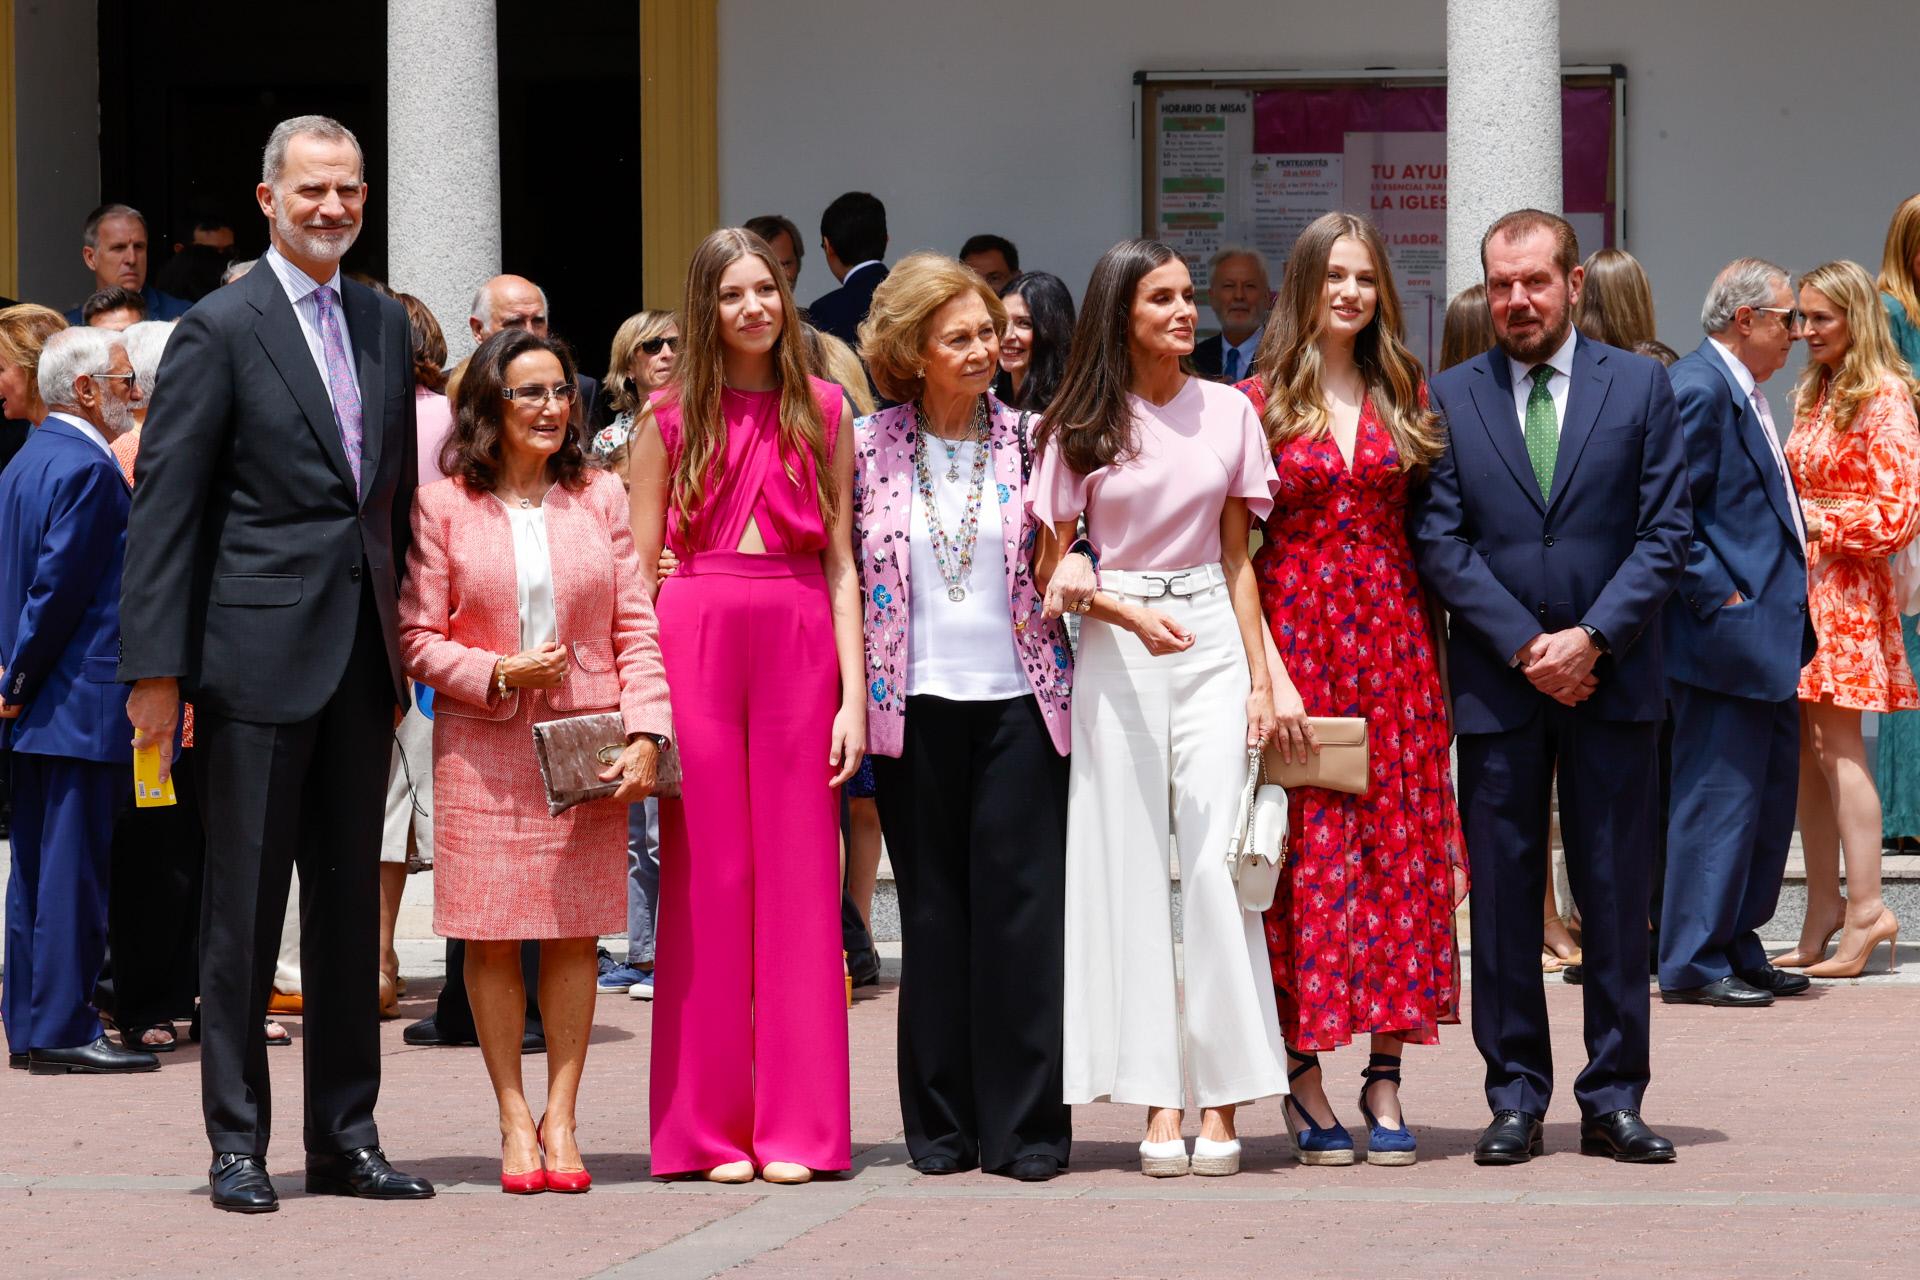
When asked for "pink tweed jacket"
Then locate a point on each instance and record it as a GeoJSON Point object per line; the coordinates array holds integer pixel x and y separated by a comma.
{"type": "Point", "coordinates": [883, 493]}
{"type": "Point", "coordinates": [458, 613]}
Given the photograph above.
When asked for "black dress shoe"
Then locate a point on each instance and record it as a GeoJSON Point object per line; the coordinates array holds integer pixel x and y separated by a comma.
{"type": "Point", "coordinates": [1777, 981]}
{"type": "Point", "coordinates": [363, 1172]}
{"type": "Point", "coordinates": [427, 1032]}
{"type": "Point", "coordinates": [1624, 1136]}
{"type": "Point", "coordinates": [1724, 993]}
{"type": "Point", "coordinates": [101, 1058]}
{"type": "Point", "coordinates": [1031, 1169]}
{"type": "Point", "coordinates": [1514, 1137]}
{"type": "Point", "coordinates": [939, 1165]}
{"type": "Point", "coordinates": [240, 1184]}
{"type": "Point", "coordinates": [864, 969]}
{"type": "Point", "coordinates": [18, 1061]}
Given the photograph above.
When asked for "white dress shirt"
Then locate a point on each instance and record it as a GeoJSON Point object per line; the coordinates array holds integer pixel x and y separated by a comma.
{"type": "Point", "coordinates": [533, 574]}
{"type": "Point", "coordinates": [1758, 399]}
{"type": "Point", "coordinates": [300, 288]}
{"type": "Point", "coordinates": [1558, 385]}
{"type": "Point", "coordinates": [86, 429]}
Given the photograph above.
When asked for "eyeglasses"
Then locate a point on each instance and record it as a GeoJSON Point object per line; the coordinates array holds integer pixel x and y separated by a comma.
{"type": "Point", "coordinates": [1789, 316]}
{"type": "Point", "coordinates": [652, 345]}
{"type": "Point", "coordinates": [534, 393]}
{"type": "Point", "coordinates": [110, 377]}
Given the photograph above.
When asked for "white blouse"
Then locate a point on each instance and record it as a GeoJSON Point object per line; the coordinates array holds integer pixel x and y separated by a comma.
{"type": "Point", "coordinates": [533, 572]}
{"type": "Point", "coordinates": [960, 649]}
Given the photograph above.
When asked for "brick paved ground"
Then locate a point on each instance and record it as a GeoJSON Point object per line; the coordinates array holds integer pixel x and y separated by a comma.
{"type": "Point", "coordinates": [1797, 1128]}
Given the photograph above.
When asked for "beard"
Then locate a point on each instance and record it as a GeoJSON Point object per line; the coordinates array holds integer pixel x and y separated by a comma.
{"type": "Point", "coordinates": [1537, 345]}
{"type": "Point", "coordinates": [116, 415]}
{"type": "Point", "coordinates": [312, 242]}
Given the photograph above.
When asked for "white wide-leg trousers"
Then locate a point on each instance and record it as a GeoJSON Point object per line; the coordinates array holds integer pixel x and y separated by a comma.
{"type": "Point", "coordinates": [1159, 751]}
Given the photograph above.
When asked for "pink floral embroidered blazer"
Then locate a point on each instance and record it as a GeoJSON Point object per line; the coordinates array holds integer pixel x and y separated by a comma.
{"type": "Point", "coordinates": [883, 496]}
{"type": "Point", "coordinates": [459, 612]}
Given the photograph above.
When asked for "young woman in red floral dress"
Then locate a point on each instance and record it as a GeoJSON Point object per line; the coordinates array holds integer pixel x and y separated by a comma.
{"type": "Point", "coordinates": [1361, 931]}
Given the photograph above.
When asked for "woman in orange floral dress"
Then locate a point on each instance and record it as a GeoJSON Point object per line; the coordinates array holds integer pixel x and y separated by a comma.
{"type": "Point", "coordinates": [1855, 458]}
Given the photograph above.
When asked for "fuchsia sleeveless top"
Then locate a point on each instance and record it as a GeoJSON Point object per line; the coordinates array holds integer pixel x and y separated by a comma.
{"type": "Point", "coordinates": [752, 479]}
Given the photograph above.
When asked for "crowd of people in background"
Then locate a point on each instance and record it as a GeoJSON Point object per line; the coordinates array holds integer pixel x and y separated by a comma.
{"type": "Point", "coordinates": [1019, 591]}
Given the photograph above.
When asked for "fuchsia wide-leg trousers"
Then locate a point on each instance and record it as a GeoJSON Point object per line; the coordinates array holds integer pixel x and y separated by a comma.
{"type": "Point", "coordinates": [749, 1011]}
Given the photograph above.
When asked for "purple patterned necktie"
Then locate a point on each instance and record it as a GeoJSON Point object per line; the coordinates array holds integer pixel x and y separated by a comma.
{"type": "Point", "coordinates": [340, 380]}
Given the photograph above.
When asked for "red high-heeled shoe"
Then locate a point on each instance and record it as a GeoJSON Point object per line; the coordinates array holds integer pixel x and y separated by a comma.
{"type": "Point", "coordinates": [567, 1180]}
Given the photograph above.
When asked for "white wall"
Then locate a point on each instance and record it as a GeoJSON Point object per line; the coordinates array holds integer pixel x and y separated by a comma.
{"type": "Point", "coordinates": [56, 62]}
{"type": "Point", "coordinates": [1766, 127]}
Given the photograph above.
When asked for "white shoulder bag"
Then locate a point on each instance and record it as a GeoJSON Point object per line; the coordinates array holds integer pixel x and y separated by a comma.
{"type": "Point", "coordinates": [1257, 853]}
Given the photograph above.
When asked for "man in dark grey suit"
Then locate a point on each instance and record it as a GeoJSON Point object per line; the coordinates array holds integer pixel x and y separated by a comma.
{"type": "Point", "coordinates": [267, 541]}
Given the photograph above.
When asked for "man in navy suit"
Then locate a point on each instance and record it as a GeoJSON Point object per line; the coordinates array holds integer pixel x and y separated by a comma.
{"type": "Point", "coordinates": [853, 233]}
{"type": "Point", "coordinates": [1554, 528]}
{"type": "Point", "coordinates": [113, 244]}
{"type": "Point", "coordinates": [1737, 634]}
{"type": "Point", "coordinates": [63, 510]}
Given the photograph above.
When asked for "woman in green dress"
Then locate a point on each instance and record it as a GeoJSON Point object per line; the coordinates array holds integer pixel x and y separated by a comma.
{"type": "Point", "coordinates": [1897, 769]}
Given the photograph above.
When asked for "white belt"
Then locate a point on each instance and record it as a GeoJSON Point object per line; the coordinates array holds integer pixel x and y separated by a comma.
{"type": "Point", "coordinates": [1180, 583]}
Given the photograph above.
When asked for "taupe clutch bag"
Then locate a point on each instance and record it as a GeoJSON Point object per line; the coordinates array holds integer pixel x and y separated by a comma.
{"type": "Point", "coordinates": [1341, 764]}
{"type": "Point", "coordinates": [573, 751]}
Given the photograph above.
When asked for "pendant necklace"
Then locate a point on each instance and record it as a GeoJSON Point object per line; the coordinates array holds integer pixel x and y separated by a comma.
{"type": "Point", "coordinates": [954, 555]}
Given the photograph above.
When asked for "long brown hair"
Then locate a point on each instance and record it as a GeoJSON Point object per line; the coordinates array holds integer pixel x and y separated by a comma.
{"type": "Point", "coordinates": [1616, 301]}
{"type": "Point", "coordinates": [700, 376]}
{"type": "Point", "coordinates": [1896, 263]}
{"type": "Point", "coordinates": [1090, 415]}
{"type": "Point", "coordinates": [1871, 356]}
{"type": "Point", "coordinates": [429, 344]}
{"type": "Point", "coordinates": [1288, 363]}
{"type": "Point", "coordinates": [472, 450]}
{"type": "Point", "coordinates": [1468, 329]}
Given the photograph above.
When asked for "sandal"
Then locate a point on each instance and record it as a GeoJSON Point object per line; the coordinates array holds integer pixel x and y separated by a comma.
{"type": "Point", "coordinates": [138, 1042]}
{"type": "Point", "coordinates": [277, 1035]}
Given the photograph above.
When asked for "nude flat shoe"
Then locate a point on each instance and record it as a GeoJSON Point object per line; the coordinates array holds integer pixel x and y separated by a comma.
{"type": "Point", "coordinates": [786, 1173]}
{"type": "Point", "coordinates": [734, 1171]}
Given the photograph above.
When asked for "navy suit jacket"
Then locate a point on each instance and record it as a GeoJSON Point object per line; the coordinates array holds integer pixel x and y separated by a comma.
{"type": "Point", "coordinates": [63, 514]}
{"type": "Point", "coordinates": [841, 311]}
{"type": "Point", "coordinates": [1743, 540]}
{"type": "Point", "coordinates": [160, 306]}
{"type": "Point", "coordinates": [1603, 549]}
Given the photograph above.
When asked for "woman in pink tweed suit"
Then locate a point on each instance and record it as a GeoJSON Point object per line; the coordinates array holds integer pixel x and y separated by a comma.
{"type": "Point", "coordinates": [524, 602]}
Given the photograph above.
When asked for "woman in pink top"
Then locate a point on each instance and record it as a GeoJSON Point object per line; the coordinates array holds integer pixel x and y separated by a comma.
{"type": "Point", "coordinates": [1171, 687]}
{"type": "Point", "coordinates": [745, 469]}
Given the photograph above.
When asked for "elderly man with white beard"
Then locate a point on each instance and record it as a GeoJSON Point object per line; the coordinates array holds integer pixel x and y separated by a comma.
{"type": "Point", "coordinates": [269, 533]}
{"type": "Point", "coordinates": [63, 515]}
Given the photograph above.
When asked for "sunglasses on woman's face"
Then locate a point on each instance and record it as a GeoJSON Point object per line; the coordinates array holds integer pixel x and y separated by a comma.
{"type": "Point", "coordinates": [652, 345]}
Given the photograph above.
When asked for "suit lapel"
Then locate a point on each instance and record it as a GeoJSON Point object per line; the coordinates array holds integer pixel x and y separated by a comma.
{"type": "Point", "coordinates": [286, 346]}
{"type": "Point", "coordinates": [1584, 397]}
{"type": "Point", "coordinates": [362, 306]}
{"type": "Point", "coordinates": [1493, 396]}
{"type": "Point", "coordinates": [1752, 433]}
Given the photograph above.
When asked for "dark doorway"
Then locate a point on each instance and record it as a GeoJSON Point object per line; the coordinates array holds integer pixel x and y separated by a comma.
{"type": "Point", "coordinates": [570, 162]}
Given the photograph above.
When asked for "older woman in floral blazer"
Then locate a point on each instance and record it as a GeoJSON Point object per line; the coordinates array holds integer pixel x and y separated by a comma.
{"type": "Point", "coordinates": [967, 716]}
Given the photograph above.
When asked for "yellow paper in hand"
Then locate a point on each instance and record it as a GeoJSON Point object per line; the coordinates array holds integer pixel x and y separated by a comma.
{"type": "Point", "coordinates": [149, 792]}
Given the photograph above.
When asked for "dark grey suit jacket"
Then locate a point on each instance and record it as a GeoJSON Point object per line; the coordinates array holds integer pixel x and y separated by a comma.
{"type": "Point", "coordinates": [248, 550]}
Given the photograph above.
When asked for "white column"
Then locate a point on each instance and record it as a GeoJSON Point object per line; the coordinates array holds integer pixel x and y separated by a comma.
{"type": "Point", "coordinates": [442, 203]}
{"type": "Point", "coordinates": [1503, 120]}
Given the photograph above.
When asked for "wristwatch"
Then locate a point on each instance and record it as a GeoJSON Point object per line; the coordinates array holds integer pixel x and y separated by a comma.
{"type": "Point", "coordinates": [1082, 547]}
{"type": "Point", "coordinates": [1599, 641]}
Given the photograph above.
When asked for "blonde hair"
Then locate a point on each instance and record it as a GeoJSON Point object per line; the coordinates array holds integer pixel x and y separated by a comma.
{"type": "Point", "coordinates": [893, 337]}
{"type": "Point", "coordinates": [1288, 363]}
{"type": "Point", "coordinates": [1871, 356]}
{"type": "Point", "coordinates": [1468, 328]}
{"type": "Point", "coordinates": [622, 395]}
{"type": "Point", "coordinates": [701, 377]}
{"type": "Point", "coordinates": [1616, 301]}
{"type": "Point", "coordinates": [839, 364]}
{"type": "Point", "coordinates": [24, 330]}
{"type": "Point", "coordinates": [1896, 263]}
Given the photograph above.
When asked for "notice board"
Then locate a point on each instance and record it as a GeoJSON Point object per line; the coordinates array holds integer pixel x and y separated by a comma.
{"type": "Point", "coordinates": [1250, 158]}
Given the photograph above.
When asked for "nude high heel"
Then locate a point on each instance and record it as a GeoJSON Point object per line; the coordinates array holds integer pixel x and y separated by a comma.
{"type": "Point", "coordinates": [1850, 961]}
{"type": "Point", "coordinates": [1798, 959]}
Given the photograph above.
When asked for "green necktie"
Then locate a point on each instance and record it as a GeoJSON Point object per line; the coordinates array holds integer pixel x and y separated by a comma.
{"type": "Point", "coordinates": [1543, 432]}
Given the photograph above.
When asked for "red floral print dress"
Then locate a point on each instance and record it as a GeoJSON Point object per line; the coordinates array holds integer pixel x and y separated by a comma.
{"type": "Point", "coordinates": [1865, 484]}
{"type": "Point", "coordinates": [1361, 931]}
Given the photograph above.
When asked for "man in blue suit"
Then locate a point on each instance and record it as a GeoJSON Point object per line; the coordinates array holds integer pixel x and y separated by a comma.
{"type": "Point", "coordinates": [1737, 634]}
{"type": "Point", "coordinates": [1554, 527]}
{"type": "Point", "coordinates": [63, 514]}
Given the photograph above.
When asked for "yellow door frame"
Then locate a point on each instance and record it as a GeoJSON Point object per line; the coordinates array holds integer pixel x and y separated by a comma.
{"type": "Point", "coordinates": [679, 141]}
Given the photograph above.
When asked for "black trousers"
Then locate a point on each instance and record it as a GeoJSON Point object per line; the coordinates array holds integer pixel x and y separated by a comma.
{"type": "Point", "coordinates": [453, 1012]}
{"type": "Point", "coordinates": [153, 916]}
{"type": "Point", "coordinates": [1609, 821]}
{"type": "Point", "coordinates": [975, 817]}
{"type": "Point", "coordinates": [311, 794]}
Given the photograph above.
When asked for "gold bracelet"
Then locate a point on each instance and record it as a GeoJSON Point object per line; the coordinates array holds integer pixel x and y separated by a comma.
{"type": "Point", "coordinates": [500, 676]}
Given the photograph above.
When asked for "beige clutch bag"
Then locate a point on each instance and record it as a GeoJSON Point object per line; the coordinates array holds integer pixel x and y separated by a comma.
{"type": "Point", "coordinates": [1341, 764]}
{"type": "Point", "coordinates": [573, 751]}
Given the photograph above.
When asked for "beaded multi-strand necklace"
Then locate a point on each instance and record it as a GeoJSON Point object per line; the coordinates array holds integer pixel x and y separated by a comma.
{"type": "Point", "coordinates": [953, 554]}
